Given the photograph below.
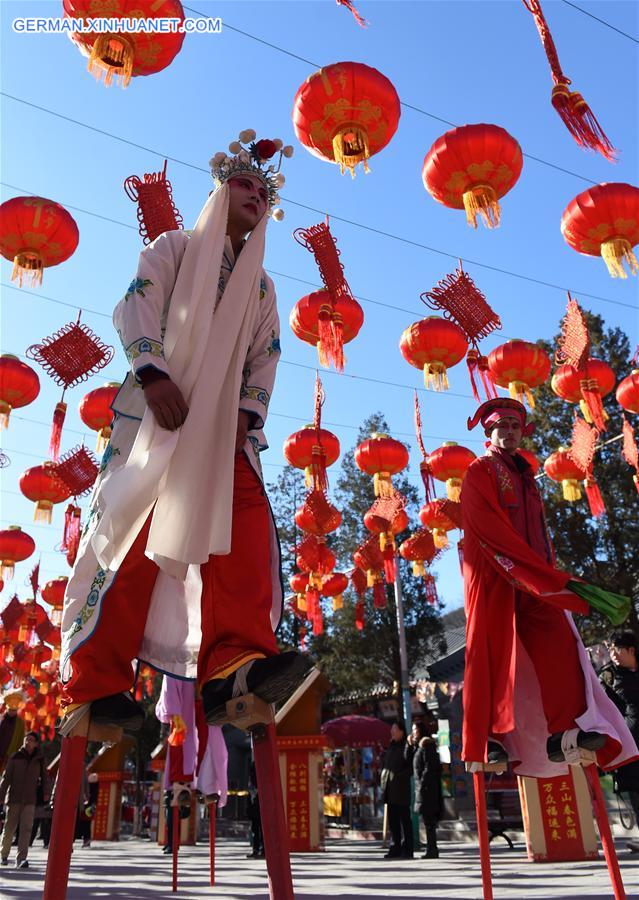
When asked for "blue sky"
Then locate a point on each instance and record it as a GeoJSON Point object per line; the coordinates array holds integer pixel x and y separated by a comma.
{"type": "Point", "coordinates": [460, 61]}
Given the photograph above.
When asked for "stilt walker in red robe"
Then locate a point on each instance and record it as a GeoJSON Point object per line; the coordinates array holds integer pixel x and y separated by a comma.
{"type": "Point", "coordinates": [530, 692]}
{"type": "Point", "coordinates": [179, 562]}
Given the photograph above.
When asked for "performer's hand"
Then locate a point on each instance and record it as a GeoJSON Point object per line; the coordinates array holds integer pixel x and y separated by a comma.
{"type": "Point", "coordinates": [243, 425]}
{"type": "Point", "coordinates": [167, 404]}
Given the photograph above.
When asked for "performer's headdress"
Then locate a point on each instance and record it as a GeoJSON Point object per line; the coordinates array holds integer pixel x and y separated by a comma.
{"type": "Point", "coordinates": [490, 412]}
{"type": "Point", "coordinates": [250, 157]}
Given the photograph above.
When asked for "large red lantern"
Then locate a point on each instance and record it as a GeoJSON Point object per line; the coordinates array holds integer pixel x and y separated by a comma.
{"type": "Point", "coordinates": [628, 392]}
{"type": "Point", "coordinates": [123, 56]}
{"type": "Point", "coordinates": [449, 463]}
{"type": "Point", "coordinates": [95, 411]}
{"type": "Point", "coordinates": [471, 168]}
{"type": "Point", "coordinates": [381, 456]}
{"type": "Point", "coordinates": [53, 594]}
{"type": "Point", "coordinates": [433, 345]}
{"type": "Point", "coordinates": [604, 221]}
{"type": "Point", "coordinates": [561, 467]}
{"type": "Point", "coordinates": [15, 546]}
{"type": "Point", "coordinates": [308, 312]}
{"type": "Point", "coordinates": [587, 387]}
{"type": "Point", "coordinates": [519, 366]}
{"type": "Point", "coordinates": [19, 386]}
{"type": "Point", "coordinates": [312, 449]}
{"type": "Point", "coordinates": [334, 586]}
{"type": "Point", "coordinates": [434, 517]}
{"type": "Point", "coordinates": [41, 485]}
{"type": "Point", "coordinates": [35, 233]}
{"type": "Point", "coordinates": [345, 113]}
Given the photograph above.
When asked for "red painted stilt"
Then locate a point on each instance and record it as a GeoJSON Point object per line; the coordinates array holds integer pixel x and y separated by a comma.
{"type": "Point", "coordinates": [482, 832]}
{"type": "Point", "coordinates": [175, 842]}
{"type": "Point", "coordinates": [599, 806]}
{"type": "Point", "coordinates": [65, 809]}
{"type": "Point", "coordinates": [274, 828]}
{"type": "Point", "coordinates": [212, 812]}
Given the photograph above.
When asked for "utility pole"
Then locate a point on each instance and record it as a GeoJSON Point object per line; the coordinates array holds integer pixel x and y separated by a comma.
{"type": "Point", "coordinates": [403, 659]}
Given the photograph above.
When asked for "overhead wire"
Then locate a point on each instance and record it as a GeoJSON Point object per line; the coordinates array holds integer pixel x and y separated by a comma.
{"type": "Point", "coordinates": [597, 19]}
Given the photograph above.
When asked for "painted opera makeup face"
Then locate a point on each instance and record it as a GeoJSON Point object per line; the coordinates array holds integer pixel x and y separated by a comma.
{"type": "Point", "coordinates": [506, 434]}
{"type": "Point", "coordinates": [248, 199]}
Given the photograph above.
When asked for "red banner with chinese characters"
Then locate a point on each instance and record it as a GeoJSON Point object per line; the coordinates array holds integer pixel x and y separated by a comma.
{"type": "Point", "coordinates": [297, 799]}
{"type": "Point", "coordinates": [560, 817]}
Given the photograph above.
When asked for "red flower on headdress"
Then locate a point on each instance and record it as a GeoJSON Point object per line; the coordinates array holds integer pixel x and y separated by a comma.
{"type": "Point", "coordinates": [265, 149]}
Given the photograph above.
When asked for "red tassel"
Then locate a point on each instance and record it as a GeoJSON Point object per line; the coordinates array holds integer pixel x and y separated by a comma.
{"type": "Point", "coordinates": [390, 567]}
{"type": "Point", "coordinates": [580, 120]}
{"type": "Point", "coordinates": [486, 378]}
{"type": "Point", "coordinates": [471, 361]}
{"type": "Point", "coordinates": [592, 397]}
{"type": "Point", "coordinates": [427, 480]}
{"type": "Point", "coordinates": [379, 595]}
{"type": "Point", "coordinates": [318, 622]}
{"type": "Point", "coordinates": [460, 553]}
{"type": "Point", "coordinates": [71, 533]}
{"type": "Point", "coordinates": [431, 589]}
{"type": "Point", "coordinates": [59, 415]}
{"type": "Point", "coordinates": [318, 468]}
{"type": "Point", "coordinates": [359, 615]}
{"type": "Point", "coordinates": [595, 500]}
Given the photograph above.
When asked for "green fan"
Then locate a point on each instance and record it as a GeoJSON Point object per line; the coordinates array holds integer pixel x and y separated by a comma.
{"type": "Point", "coordinates": [615, 607]}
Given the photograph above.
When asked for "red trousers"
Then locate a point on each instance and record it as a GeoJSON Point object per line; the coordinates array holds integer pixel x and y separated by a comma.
{"type": "Point", "coordinates": [550, 642]}
{"type": "Point", "coordinates": [235, 605]}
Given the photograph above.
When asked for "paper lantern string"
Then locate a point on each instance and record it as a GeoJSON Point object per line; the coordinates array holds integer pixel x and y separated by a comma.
{"type": "Point", "coordinates": [156, 211]}
{"type": "Point", "coordinates": [571, 106]}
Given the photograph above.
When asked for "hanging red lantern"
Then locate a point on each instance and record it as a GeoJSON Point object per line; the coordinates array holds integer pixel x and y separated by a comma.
{"type": "Point", "coordinates": [53, 594]}
{"type": "Point", "coordinates": [519, 366]}
{"type": "Point", "coordinates": [434, 517]}
{"type": "Point", "coordinates": [41, 654]}
{"type": "Point", "coordinates": [19, 386]}
{"type": "Point", "coordinates": [35, 233]}
{"type": "Point", "coordinates": [308, 313]}
{"type": "Point", "coordinates": [449, 463]}
{"type": "Point", "coordinates": [41, 485]}
{"type": "Point", "coordinates": [96, 413]}
{"type": "Point", "coordinates": [587, 387]}
{"type": "Point", "coordinates": [359, 581]}
{"type": "Point", "coordinates": [604, 221]}
{"type": "Point", "coordinates": [345, 113]}
{"type": "Point", "coordinates": [434, 345]}
{"type": "Point", "coordinates": [531, 459]}
{"type": "Point", "coordinates": [420, 550]}
{"type": "Point", "coordinates": [15, 546]}
{"type": "Point", "coordinates": [114, 54]}
{"type": "Point", "coordinates": [381, 456]}
{"type": "Point", "coordinates": [369, 558]}
{"type": "Point", "coordinates": [561, 467]}
{"type": "Point", "coordinates": [628, 392]}
{"type": "Point", "coordinates": [317, 515]}
{"type": "Point", "coordinates": [312, 450]}
{"type": "Point", "coordinates": [299, 585]}
{"type": "Point", "coordinates": [471, 168]}
{"type": "Point", "coordinates": [334, 586]}
{"type": "Point", "coordinates": [386, 526]}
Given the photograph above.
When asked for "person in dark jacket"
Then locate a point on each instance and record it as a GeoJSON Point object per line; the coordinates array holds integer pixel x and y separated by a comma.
{"type": "Point", "coordinates": [23, 774]}
{"type": "Point", "coordinates": [621, 682]}
{"type": "Point", "coordinates": [397, 767]}
{"type": "Point", "coordinates": [427, 770]}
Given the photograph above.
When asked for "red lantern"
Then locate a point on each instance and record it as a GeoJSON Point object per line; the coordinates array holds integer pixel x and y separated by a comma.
{"type": "Point", "coordinates": [35, 233]}
{"type": "Point", "coordinates": [123, 56]}
{"type": "Point", "coordinates": [369, 558]}
{"type": "Point", "coordinates": [381, 456]}
{"type": "Point", "coordinates": [419, 549]}
{"type": "Point", "coordinates": [41, 485]}
{"type": "Point", "coordinates": [471, 168]}
{"type": "Point", "coordinates": [434, 345]}
{"type": "Point", "coordinates": [433, 516]}
{"type": "Point", "coordinates": [313, 450]}
{"type": "Point", "coordinates": [519, 366]}
{"type": "Point", "coordinates": [628, 392]}
{"type": "Point", "coordinates": [530, 458]}
{"type": "Point", "coordinates": [561, 467]}
{"type": "Point", "coordinates": [15, 546]}
{"type": "Point", "coordinates": [604, 220]}
{"type": "Point", "coordinates": [95, 411]}
{"type": "Point", "coordinates": [53, 594]}
{"type": "Point", "coordinates": [587, 387]}
{"type": "Point", "coordinates": [345, 113]}
{"type": "Point", "coordinates": [19, 386]}
{"type": "Point", "coordinates": [449, 463]}
{"type": "Point", "coordinates": [385, 529]}
{"type": "Point", "coordinates": [299, 584]}
{"type": "Point", "coordinates": [308, 312]}
{"type": "Point", "coordinates": [334, 586]}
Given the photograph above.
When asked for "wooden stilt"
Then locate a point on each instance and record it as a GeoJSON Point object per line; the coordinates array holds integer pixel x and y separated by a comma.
{"type": "Point", "coordinates": [479, 786]}
{"type": "Point", "coordinates": [601, 814]}
{"type": "Point", "coordinates": [175, 843]}
{"type": "Point", "coordinates": [212, 813]}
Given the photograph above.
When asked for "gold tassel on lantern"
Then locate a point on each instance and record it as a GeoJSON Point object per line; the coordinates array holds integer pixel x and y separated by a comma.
{"type": "Point", "coordinates": [617, 251]}
{"type": "Point", "coordinates": [435, 376]}
{"type": "Point", "coordinates": [453, 489]}
{"type": "Point", "coordinates": [43, 511]}
{"type": "Point", "coordinates": [111, 55]}
{"type": "Point", "coordinates": [440, 538]}
{"type": "Point", "coordinates": [418, 568]}
{"type": "Point", "coordinates": [481, 200]}
{"type": "Point", "coordinates": [104, 435]}
{"type": "Point", "coordinates": [382, 484]}
{"type": "Point", "coordinates": [27, 267]}
{"type": "Point", "coordinates": [519, 390]}
{"type": "Point", "coordinates": [338, 602]}
{"type": "Point", "coordinates": [571, 489]}
{"type": "Point", "coordinates": [350, 147]}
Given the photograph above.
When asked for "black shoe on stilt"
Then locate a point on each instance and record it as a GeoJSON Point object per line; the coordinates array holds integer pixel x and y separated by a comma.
{"type": "Point", "coordinates": [586, 740]}
{"type": "Point", "coordinates": [118, 709]}
{"type": "Point", "coordinates": [272, 679]}
{"type": "Point", "coordinates": [496, 753]}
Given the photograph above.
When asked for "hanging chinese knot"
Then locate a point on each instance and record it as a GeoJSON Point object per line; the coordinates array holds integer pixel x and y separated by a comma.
{"type": "Point", "coordinates": [433, 345]}
{"type": "Point", "coordinates": [333, 330]}
{"type": "Point", "coordinates": [464, 304]}
{"type": "Point", "coordinates": [78, 470]}
{"type": "Point", "coordinates": [114, 54]}
{"type": "Point", "coordinates": [582, 452]}
{"type": "Point", "coordinates": [571, 106]}
{"type": "Point", "coordinates": [35, 233]}
{"type": "Point", "coordinates": [471, 168]}
{"type": "Point", "coordinates": [629, 450]}
{"type": "Point", "coordinates": [369, 558]}
{"type": "Point", "coordinates": [69, 356]}
{"type": "Point", "coordinates": [604, 221]}
{"type": "Point", "coordinates": [345, 113]}
{"type": "Point", "coordinates": [157, 213]}
{"type": "Point", "coordinates": [19, 386]}
{"type": "Point", "coordinates": [519, 366]}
